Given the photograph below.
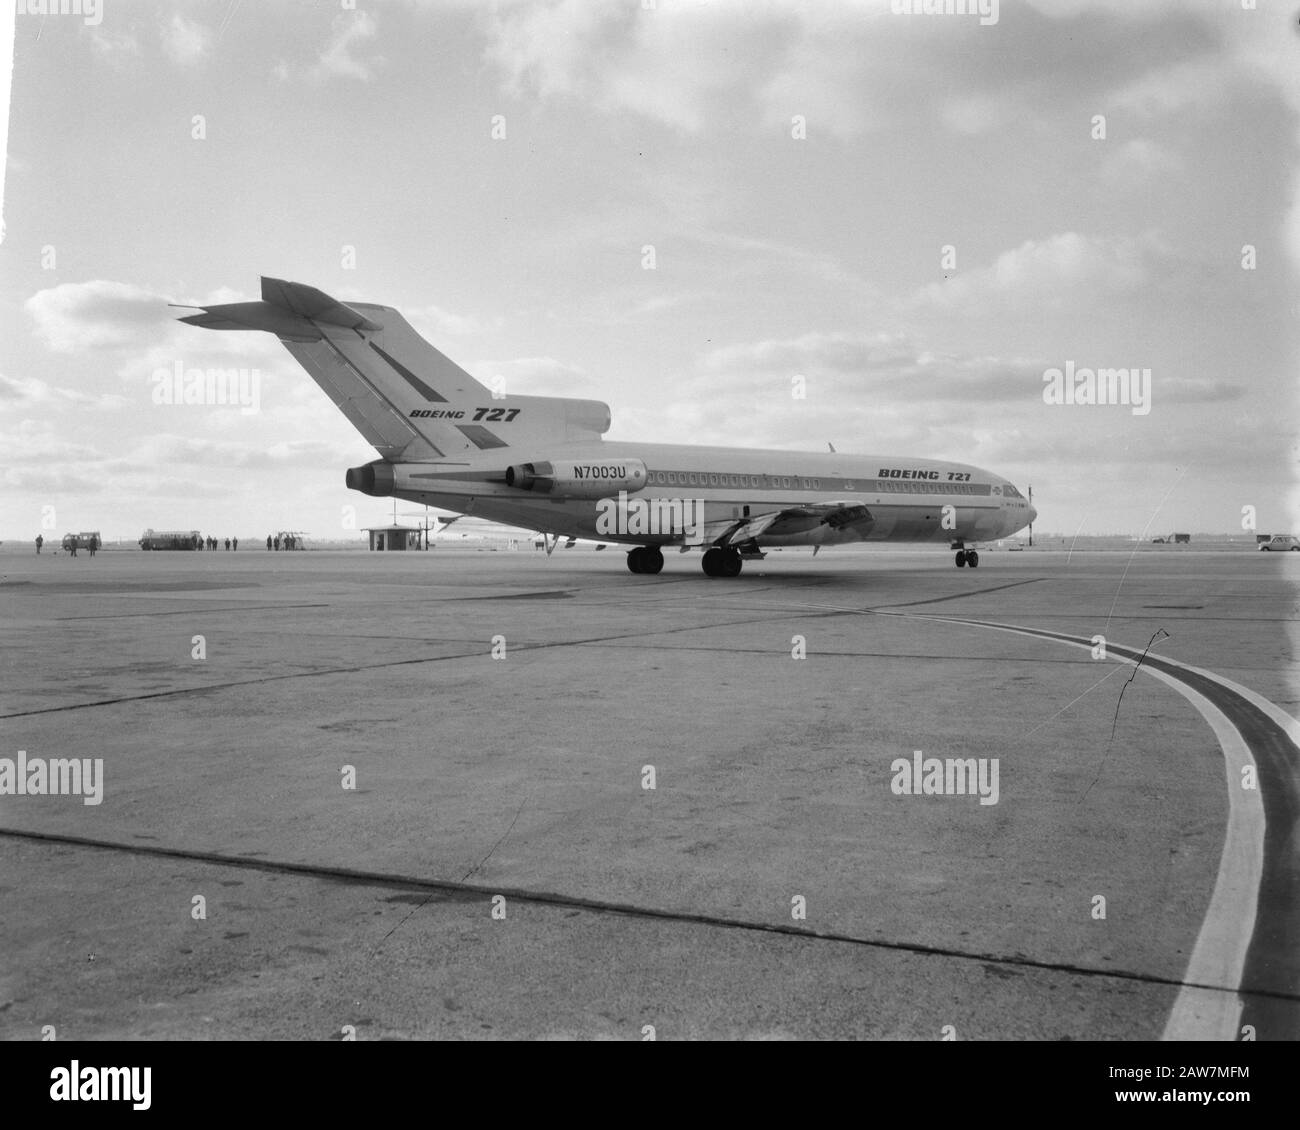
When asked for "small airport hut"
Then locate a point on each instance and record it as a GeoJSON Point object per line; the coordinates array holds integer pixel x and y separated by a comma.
{"type": "Point", "coordinates": [394, 537]}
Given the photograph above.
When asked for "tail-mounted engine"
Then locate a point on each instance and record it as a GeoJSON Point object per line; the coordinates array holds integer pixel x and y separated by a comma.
{"type": "Point", "coordinates": [575, 478]}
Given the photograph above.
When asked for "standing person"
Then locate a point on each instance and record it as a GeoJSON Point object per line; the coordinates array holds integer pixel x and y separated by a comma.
{"type": "Point", "coordinates": [40, 541]}
{"type": "Point", "coordinates": [227, 545]}
{"type": "Point", "coordinates": [268, 542]}
{"type": "Point", "coordinates": [72, 546]}
{"type": "Point", "coordinates": [277, 543]}
{"type": "Point", "coordinates": [234, 542]}
{"type": "Point", "coordinates": [93, 544]}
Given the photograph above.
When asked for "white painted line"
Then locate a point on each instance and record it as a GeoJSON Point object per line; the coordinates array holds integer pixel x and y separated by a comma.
{"type": "Point", "coordinates": [1219, 956]}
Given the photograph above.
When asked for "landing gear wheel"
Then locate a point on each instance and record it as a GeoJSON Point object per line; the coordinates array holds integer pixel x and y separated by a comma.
{"type": "Point", "coordinates": [645, 559]}
{"type": "Point", "coordinates": [972, 558]}
{"type": "Point", "coordinates": [722, 563]}
{"type": "Point", "coordinates": [961, 559]}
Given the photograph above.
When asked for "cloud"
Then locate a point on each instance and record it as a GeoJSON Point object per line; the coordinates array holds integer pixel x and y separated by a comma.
{"type": "Point", "coordinates": [1134, 163]}
{"type": "Point", "coordinates": [1198, 82]}
{"type": "Point", "coordinates": [1058, 270]}
{"type": "Point", "coordinates": [974, 114]}
{"type": "Point", "coordinates": [1196, 390]}
{"type": "Point", "coordinates": [537, 376]}
{"type": "Point", "coordinates": [871, 368]}
{"type": "Point", "coordinates": [39, 442]}
{"type": "Point", "coordinates": [72, 317]}
{"type": "Point", "coordinates": [350, 31]}
{"type": "Point", "coordinates": [18, 391]}
{"type": "Point", "coordinates": [434, 322]}
{"type": "Point", "coordinates": [670, 64]}
{"type": "Point", "coordinates": [114, 47]}
{"type": "Point", "coordinates": [166, 450]}
{"type": "Point", "coordinates": [185, 41]}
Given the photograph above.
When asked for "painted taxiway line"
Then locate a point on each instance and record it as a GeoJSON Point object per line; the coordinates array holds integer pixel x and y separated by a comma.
{"type": "Point", "coordinates": [1237, 922]}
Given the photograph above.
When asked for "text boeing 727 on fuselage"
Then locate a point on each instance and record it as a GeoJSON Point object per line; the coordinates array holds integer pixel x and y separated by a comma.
{"type": "Point", "coordinates": [540, 462]}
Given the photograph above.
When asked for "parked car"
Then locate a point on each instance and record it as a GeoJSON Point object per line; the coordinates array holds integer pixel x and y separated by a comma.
{"type": "Point", "coordinates": [1281, 543]}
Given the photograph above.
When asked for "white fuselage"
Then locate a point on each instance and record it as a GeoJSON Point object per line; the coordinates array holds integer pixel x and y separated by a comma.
{"type": "Point", "coordinates": [906, 497]}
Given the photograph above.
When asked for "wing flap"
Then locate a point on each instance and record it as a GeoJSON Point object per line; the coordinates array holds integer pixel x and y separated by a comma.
{"type": "Point", "coordinates": [847, 516]}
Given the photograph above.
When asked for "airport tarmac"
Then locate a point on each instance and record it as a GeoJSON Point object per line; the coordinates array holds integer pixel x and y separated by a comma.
{"type": "Point", "coordinates": [500, 869]}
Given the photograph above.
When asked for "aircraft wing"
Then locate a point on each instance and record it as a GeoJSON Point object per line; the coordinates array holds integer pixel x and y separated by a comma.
{"type": "Point", "coordinates": [852, 516]}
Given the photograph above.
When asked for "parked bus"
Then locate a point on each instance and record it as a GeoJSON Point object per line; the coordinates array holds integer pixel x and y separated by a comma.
{"type": "Point", "coordinates": [169, 539]}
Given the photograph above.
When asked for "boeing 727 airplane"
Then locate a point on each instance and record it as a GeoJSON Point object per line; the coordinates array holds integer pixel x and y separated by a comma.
{"type": "Point", "coordinates": [539, 462]}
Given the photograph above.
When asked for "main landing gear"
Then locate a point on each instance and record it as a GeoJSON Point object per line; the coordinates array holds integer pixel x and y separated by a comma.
{"type": "Point", "coordinates": [967, 557]}
{"type": "Point", "coordinates": [717, 562]}
{"type": "Point", "coordinates": [720, 562]}
{"type": "Point", "coordinates": [645, 559]}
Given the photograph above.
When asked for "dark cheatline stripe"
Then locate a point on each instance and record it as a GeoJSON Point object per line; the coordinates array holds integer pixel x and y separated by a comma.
{"type": "Point", "coordinates": [423, 389]}
{"type": "Point", "coordinates": [480, 437]}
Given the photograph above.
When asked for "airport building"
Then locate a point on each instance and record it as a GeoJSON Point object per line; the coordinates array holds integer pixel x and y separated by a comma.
{"type": "Point", "coordinates": [394, 537]}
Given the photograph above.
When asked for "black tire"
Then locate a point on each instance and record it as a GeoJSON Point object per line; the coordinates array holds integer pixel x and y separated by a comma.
{"type": "Point", "coordinates": [634, 560]}
{"type": "Point", "coordinates": [712, 563]}
{"type": "Point", "coordinates": [961, 559]}
{"type": "Point", "coordinates": [972, 559]}
{"type": "Point", "coordinates": [652, 559]}
{"type": "Point", "coordinates": [731, 564]}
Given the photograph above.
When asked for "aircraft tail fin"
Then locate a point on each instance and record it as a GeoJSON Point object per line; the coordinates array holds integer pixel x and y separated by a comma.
{"type": "Point", "coordinates": [409, 400]}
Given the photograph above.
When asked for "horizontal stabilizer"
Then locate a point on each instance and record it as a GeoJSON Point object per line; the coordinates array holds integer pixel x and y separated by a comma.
{"type": "Point", "coordinates": [287, 310]}
{"type": "Point", "coordinates": [308, 302]}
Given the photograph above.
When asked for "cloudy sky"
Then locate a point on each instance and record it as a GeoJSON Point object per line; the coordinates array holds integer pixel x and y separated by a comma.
{"type": "Point", "coordinates": [917, 214]}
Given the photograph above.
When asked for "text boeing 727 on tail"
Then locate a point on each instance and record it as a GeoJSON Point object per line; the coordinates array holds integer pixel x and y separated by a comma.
{"type": "Point", "coordinates": [539, 462]}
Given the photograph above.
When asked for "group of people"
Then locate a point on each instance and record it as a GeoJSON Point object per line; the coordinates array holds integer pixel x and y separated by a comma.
{"type": "Point", "coordinates": [213, 543]}
{"type": "Point", "coordinates": [71, 542]}
{"type": "Point", "coordinates": [281, 541]}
